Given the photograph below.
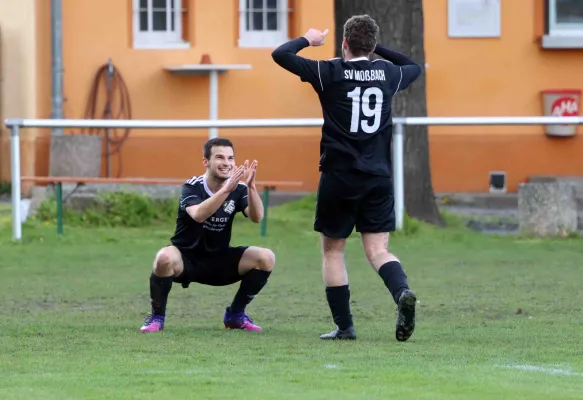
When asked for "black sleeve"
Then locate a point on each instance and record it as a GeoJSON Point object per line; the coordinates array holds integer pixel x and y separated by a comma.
{"type": "Point", "coordinates": [191, 195]}
{"type": "Point", "coordinates": [308, 70]}
{"type": "Point", "coordinates": [243, 200]}
{"type": "Point", "coordinates": [393, 56]}
{"type": "Point", "coordinates": [409, 69]}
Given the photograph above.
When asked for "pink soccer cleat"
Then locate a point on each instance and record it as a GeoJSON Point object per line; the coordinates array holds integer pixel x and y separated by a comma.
{"type": "Point", "coordinates": [154, 323]}
{"type": "Point", "coordinates": [239, 321]}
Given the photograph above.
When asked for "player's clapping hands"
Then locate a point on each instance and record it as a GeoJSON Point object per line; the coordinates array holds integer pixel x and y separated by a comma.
{"type": "Point", "coordinates": [235, 178]}
{"type": "Point", "coordinates": [249, 175]}
{"type": "Point", "coordinates": [245, 172]}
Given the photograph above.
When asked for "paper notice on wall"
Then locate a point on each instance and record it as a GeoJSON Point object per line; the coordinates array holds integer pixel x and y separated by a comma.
{"type": "Point", "coordinates": [474, 18]}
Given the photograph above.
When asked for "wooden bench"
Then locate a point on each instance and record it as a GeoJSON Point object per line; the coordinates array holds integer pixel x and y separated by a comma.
{"type": "Point", "coordinates": [58, 181]}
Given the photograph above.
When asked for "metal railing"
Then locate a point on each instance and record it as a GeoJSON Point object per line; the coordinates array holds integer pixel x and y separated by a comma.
{"type": "Point", "coordinates": [398, 140]}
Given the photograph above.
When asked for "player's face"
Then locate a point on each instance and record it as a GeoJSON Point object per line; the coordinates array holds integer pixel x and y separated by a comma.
{"type": "Point", "coordinates": [222, 162]}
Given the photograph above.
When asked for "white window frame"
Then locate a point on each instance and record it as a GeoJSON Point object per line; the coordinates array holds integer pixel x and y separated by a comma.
{"type": "Point", "coordinates": [264, 39]}
{"type": "Point", "coordinates": [562, 29]}
{"type": "Point", "coordinates": [170, 39]}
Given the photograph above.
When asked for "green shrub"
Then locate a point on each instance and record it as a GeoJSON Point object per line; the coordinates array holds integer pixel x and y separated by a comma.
{"type": "Point", "coordinates": [131, 209]}
{"type": "Point", "coordinates": [5, 187]}
{"type": "Point", "coordinates": [128, 209]}
{"type": "Point", "coordinates": [411, 226]}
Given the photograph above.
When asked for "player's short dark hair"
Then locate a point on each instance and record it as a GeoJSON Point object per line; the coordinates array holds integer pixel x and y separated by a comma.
{"type": "Point", "coordinates": [361, 33]}
{"type": "Point", "coordinates": [217, 141]}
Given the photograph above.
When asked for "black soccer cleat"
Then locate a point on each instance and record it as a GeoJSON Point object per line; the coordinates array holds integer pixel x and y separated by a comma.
{"type": "Point", "coordinates": [347, 334]}
{"type": "Point", "coordinates": [406, 318]}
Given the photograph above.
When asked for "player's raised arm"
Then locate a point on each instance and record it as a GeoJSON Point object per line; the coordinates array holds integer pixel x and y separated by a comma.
{"type": "Point", "coordinates": [308, 70]}
{"type": "Point", "coordinates": [410, 69]}
{"type": "Point", "coordinates": [200, 211]}
{"type": "Point", "coordinates": [393, 56]}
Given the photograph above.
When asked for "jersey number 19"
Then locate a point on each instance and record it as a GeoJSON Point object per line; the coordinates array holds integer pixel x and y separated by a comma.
{"type": "Point", "coordinates": [363, 102]}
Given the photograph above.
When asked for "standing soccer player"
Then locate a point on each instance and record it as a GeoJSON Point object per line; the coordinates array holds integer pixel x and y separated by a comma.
{"type": "Point", "coordinates": [356, 185]}
{"type": "Point", "coordinates": [201, 250]}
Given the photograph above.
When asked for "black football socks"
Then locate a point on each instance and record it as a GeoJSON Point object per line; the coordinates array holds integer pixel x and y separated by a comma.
{"type": "Point", "coordinates": [159, 290]}
{"type": "Point", "coordinates": [394, 277]}
{"type": "Point", "coordinates": [251, 284]}
{"type": "Point", "coordinates": [339, 301]}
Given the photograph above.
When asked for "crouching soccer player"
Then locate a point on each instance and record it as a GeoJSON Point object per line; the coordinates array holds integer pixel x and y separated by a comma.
{"type": "Point", "coordinates": [201, 251]}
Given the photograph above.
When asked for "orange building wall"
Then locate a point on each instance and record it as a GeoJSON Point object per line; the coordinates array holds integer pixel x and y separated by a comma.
{"type": "Point", "coordinates": [265, 91]}
{"type": "Point", "coordinates": [503, 77]}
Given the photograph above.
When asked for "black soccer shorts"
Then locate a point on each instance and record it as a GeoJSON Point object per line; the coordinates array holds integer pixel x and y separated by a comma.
{"type": "Point", "coordinates": [349, 199]}
{"type": "Point", "coordinates": [213, 269]}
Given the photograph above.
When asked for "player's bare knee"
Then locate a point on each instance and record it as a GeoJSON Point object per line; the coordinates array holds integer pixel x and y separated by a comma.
{"type": "Point", "coordinates": [265, 260]}
{"type": "Point", "coordinates": [167, 261]}
{"type": "Point", "coordinates": [379, 256]}
{"type": "Point", "coordinates": [332, 247]}
{"type": "Point", "coordinates": [333, 259]}
{"type": "Point", "coordinates": [374, 255]}
{"type": "Point", "coordinates": [375, 246]}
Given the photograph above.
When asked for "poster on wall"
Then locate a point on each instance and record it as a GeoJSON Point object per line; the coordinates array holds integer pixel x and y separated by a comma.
{"type": "Point", "coordinates": [474, 18]}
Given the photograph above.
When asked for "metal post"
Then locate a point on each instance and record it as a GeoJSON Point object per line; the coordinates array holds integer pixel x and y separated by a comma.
{"type": "Point", "coordinates": [59, 199]}
{"type": "Point", "coordinates": [57, 61]}
{"type": "Point", "coordinates": [15, 176]}
{"type": "Point", "coordinates": [399, 174]}
{"type": "Point", "coordinates": [214, 101]}
{"type": "Point", "coordinates": [265, 205]}
{"type": "Point", "coordinates": [108, 78]}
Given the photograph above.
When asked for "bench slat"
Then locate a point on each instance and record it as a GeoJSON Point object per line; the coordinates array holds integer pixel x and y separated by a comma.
{"type": "Point", "coordinates": [135, 181]}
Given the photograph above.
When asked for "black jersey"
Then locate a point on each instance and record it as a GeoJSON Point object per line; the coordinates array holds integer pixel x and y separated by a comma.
{"type": "Point", "coordinates": [214, 234]}
{"type": "Point", "coordinates": [356, 99]}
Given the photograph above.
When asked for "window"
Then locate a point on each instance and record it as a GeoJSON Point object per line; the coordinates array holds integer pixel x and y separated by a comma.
{"type": "Point", "coordinates": [566, 17]}
{"type": "Point", "coordinates": [158, 24]}
{"type": "Point", "coordinates": [263, 23]}
{"type": "Point", "coordinates": [565, 25]}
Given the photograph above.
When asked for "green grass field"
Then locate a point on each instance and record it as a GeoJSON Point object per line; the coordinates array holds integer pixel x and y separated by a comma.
{"type": "Point", "coordinates": [498, 318]}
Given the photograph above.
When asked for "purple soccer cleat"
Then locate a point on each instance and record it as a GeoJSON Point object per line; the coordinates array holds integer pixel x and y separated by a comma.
{"type": "Point", "coordinates": [154, 323]}
{"type": "Point", "coordinates": [239, 321]}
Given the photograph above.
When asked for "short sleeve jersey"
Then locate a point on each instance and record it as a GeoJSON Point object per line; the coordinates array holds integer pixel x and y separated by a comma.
{"type": "Point", "coordinates": [211, 235]}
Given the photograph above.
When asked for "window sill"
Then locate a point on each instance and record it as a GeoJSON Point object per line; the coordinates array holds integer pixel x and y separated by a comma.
{"type": "Point", "coordinates": [162, 46]}
{"type": "Point", "coordinates": [562, 42]}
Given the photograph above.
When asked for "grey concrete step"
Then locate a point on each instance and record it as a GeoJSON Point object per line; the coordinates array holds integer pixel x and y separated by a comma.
{"type": "Point", "coordinates": [486, 200]}
{"type": "Point", "coordinates": [493, 218]}
{"type": "Point", "coordinates": [478, 200]}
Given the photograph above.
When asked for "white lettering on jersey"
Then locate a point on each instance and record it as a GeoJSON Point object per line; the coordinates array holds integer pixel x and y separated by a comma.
{"type": "Point", "coordinates": [366, 75]}
{"type": "Point", "coordinates": [218, 224]}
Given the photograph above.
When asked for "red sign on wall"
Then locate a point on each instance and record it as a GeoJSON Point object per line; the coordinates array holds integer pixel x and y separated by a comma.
{"type": "Point", "coordinates": [565, 107]}
{"type": "Point", "coordinates": [561, 103]}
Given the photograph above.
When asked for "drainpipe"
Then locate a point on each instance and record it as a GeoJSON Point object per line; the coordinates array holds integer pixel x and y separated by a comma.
{"type": "Point", "coordinates": [57, 63]}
